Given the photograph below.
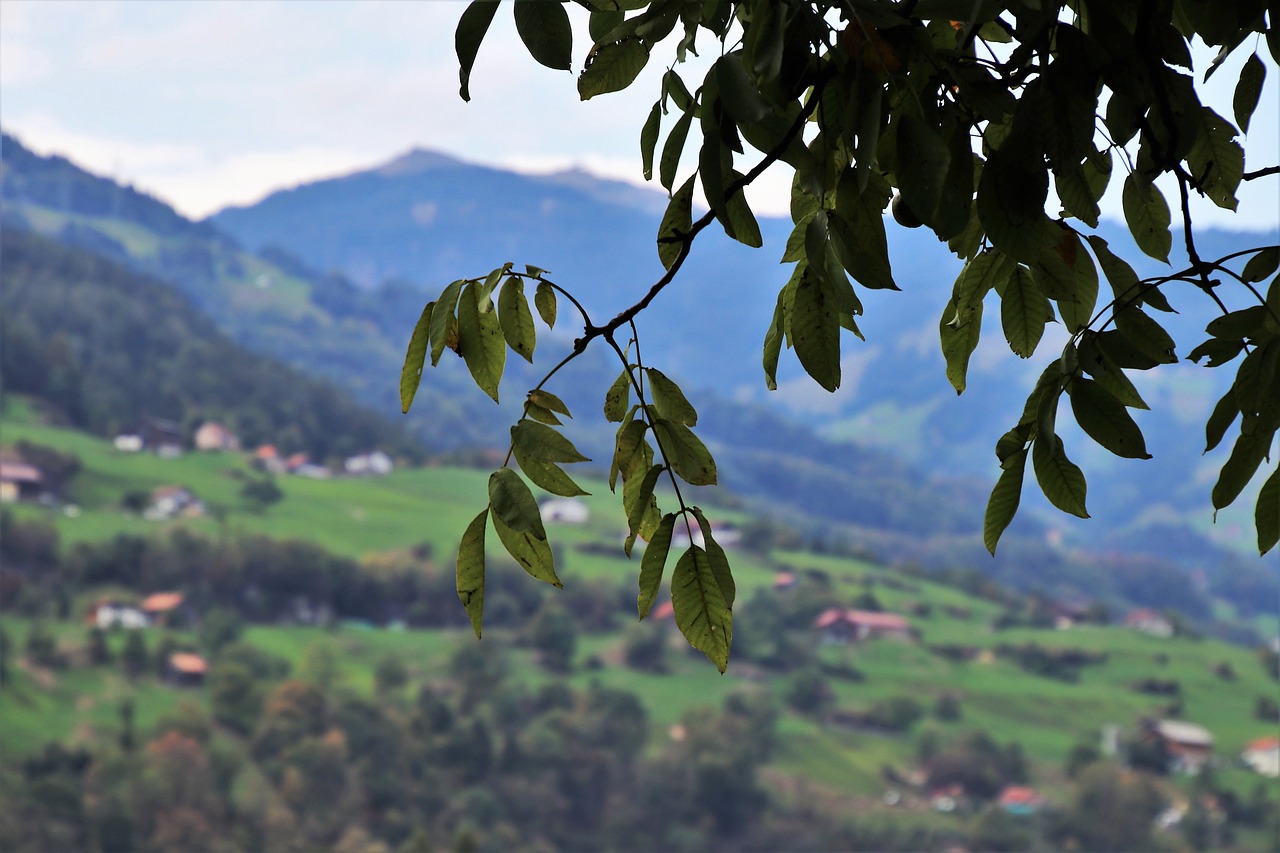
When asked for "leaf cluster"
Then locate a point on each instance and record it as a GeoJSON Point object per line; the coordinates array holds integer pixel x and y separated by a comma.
{"type": "Point", "coordinates": [998, 126]}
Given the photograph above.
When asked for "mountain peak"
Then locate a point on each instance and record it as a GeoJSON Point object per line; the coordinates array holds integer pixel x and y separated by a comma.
{"type": "Point", "coordinates": [417, 160]}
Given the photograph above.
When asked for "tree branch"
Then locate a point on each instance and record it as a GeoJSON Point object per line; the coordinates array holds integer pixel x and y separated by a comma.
{"type": "Point", "coordinates": [1262, 173]}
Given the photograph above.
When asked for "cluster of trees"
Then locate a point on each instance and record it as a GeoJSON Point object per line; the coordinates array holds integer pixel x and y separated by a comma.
{"type": "Point", "coordinates": [107, 348]}
{"type": "Point", "coordinates": [476, 757]}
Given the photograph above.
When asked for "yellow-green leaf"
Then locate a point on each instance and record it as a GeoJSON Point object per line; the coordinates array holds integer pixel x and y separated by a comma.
{"type": "Point", "coordinates": [516, 320]}
{"type": "Point", "coordinates": [1002, 506]}
{"type": "Point", "coordinates": [685, 452]}
{"type": "Point", "coordinates": [1060, 479]}
{"type": "Point", "coordinates": [701, 612]}
{"type": "Point", "coordinates": [470, 570]}
{"type": "Point", "coordinates": [480, 342]}
{"type": "Point", "coordinates": [653, 563]}
{"type": "Point", "coordinates": [519, 525]}
{"type": "Point", "coordinates": [415, 358]}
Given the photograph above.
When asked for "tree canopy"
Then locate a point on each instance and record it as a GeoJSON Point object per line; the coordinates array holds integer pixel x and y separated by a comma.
{"type": "Point", "coordinates": [996, 125]}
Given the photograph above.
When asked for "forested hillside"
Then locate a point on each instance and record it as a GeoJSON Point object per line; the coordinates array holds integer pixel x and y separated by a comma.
{"type": "Point", "coordinates": [107, 349]}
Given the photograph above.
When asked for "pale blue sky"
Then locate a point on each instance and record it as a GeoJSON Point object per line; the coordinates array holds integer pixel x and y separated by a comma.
{"type": "Point", "coordinates": [222, 101]}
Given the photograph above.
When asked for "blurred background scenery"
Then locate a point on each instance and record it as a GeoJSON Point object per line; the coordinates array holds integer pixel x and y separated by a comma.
{"type": "Point", "coordinates": [228, 617]}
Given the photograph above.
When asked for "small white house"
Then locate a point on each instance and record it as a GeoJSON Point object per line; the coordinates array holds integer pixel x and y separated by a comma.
{"type": "Point", "coordinates": [111, 615]}
{"type": "Point", "coordinates": [376, 464]}
{"type": "Point", "coordinates": [1263, 756]}
{"type": "Point", "coordinates": [128, 443]}
{"type": "Point", "coordinates": [564, 511]}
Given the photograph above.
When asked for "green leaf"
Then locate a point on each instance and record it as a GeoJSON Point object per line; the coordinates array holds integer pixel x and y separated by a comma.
{"type": "Point", "coordinates": [741, 98]}
{"type": "Point", "coordinates": [1011, 195]}
{"type": "Point", "coordinates": [1262, 264]}
{"type": "Point", "coordinates": [1002, 506]}
{"type": "Point", "coordinates": [1217, 350]}
{"type": "Point", "coordinates": [484, 291]}
{"type": "Point", "coordinates": [1106, 420]}
{"type": "Point", "coordinates": [1146, 335]}
{"type": "Point", "coordinates": [1245, 323]}
{"type": "Point", "coordinates": [742, 222]}
{"type": "Point", "coordinates": [642, 509]}
{"type": "Point", "coordinates": [959, 331]}
{"type": "Point", "coordinates": [669, 162]}
{"type": "Point", "coordinates": [627, 447]}
{"type": "Point", "coordinates": [547, 400]}
{"type": "Point", "coordinates": [515, 319]}
{"type": "Point", "coordinates": [1106, 374]}
{"type": "Point", "coordinates": [544, 299]}
{"type": "Point", "coordinates": [815, 331]}
{"type": "Point", "coordinates": [670, 400]}
{"type": "Point", "coordinates": [1249, 90]}
{"type": "Point", "coordinates": [537, 449]}
{"type": "Point", "coordinates": [1121, 277]}
{"type": "Point", "coordinates": [701, 612]}
{"type": "Point", "coordinates": [470, 570]}
{"type": "Point", "coordinates": [544, 28]}
{"type": "Point", "coordinates": [719, 560]}
{"type": "Point", "coordinates": [1147, 213]}
{"type": "Point", "coordinates": [685, 452]}
{"type": "Point", "coordinates": [1216, 159]}
{"type": "Point", "coordinates": [1060, 480]}
{"type": "Point", "coordinates": [677, 221]}
{"type": "Point", "coordinates": [541, 414]}
{"type": "Point", "coordinates": [444, 325]}
{"type": "Point", "coordinates": [612, 68]}
{"type": "Point", "coordinates": [618, 397]}
{"type": "Point", "coordinates": [1238, 470]}
{"type": "Point", "coordinates": [480, 342]}
{"type": "Point", "coordinates": [1077, 309]}
{"type": "Point", "coordinates": [653, 563]}
{"type": "Point", "coordinates": [541, 442]}
{"type": "Point", "coordinates": [519, 525]}
{"type": "Point", "coordinates": [773, 343]}
{"type": "Point", "coordinates": [1076, 195]}
{"type": "Point", "coordinates": [920, 146]}
{"type": "Point", "coordinates": [1267, 513]}
{"type": "Point", "coordinates": [649, 139]}
{"type": "Point", "coordinates": [471, 30]}
{"type": "Point", "coordinates": [1024, 310]}
{"type": "Point", "coordinates": [415, 358]}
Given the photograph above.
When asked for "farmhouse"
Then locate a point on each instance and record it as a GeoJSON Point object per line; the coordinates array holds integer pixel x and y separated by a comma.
{"type": "Point", "coordinates": [172, 501]}
{"type": "Point", "coordinates": [214, 436]}
{"type": "Point", "coordinates": [113, 614]}
{"type": "Point", "coordinates": [839, 625]}
{"type": "Point", "coordinates": [1149, 622]}
{"type": "Point", "coordinates": [564, 511]}
{"type": "Point", "coordinates": [159, 605]}
{"type": "Point", "coordinates": [186, 669]}
{"type": "Point", "coordinates": [377, 464]}
{"type": "Point", "coordinates": [1020, 800]}
{"type": "Point", "coordinates": [1263, 756]}
{"type": "Point", "coordinates": [1190, 746]}
{"type": "Point", "coordinates": [20, 481]}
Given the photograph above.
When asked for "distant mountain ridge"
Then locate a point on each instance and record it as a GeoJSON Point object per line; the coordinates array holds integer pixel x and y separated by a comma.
{"type": "Point", "coordinates": [707, 327]}
{"type": "Point", "coordinates": [792, 460]}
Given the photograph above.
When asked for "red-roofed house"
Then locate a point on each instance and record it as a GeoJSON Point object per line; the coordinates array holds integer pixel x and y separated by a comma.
{"type": "Point", "coordinates": [1020, 800]}
{"type": "Point", "coordinates": [665, 610]}
{"type": "Point", "coordinates": [159, 605]}
{"type": "Point", "coordinates": [1263, 756]}
{"type": "Point", "coordinates": [214, 436]}
{"type": "Point", "coordinates": [841, 625]}
{"type": "Point", "coordinates": [1149, 622]}
{"type": "Point", "coordinates": [186, 669]}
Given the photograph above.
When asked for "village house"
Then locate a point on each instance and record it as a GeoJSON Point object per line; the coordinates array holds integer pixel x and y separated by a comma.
{"type": "Point", "coordinates": [784, 580]}
{"type": "Point", "coordinates": [1149, 622]}
{"type": "Point", "coordinates": [564, 511]}
{"type": "Point", "coordinates": [727, 536]}
{"type": "Point", "coordinates": [1189, 746]}
{"type": "Point", "coordinates": [173, 501]}
{"type": "Point", "coordinates": [108, 614]}
{"type": "Point", "coordinates": [214, 436]}
{"type": "Point", "coordinates": [186, 669]}
{"type": "Point", "coordinates": [20, 481]}
{"type": "Point", "coordinates": [1020, 800]}
{"type": "Point", "coordinates": [160, 606]}
{"type": "Point", "coordinates": [375, 464]}
{"type": "Point", "coordinates": [839, 625]}
{"type": "Point", "coordinates": [162, 437]}
{"type": "Point", "coordinates": [1263, 756]}
{"type": "Point", "coordinates": [266, 458]}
